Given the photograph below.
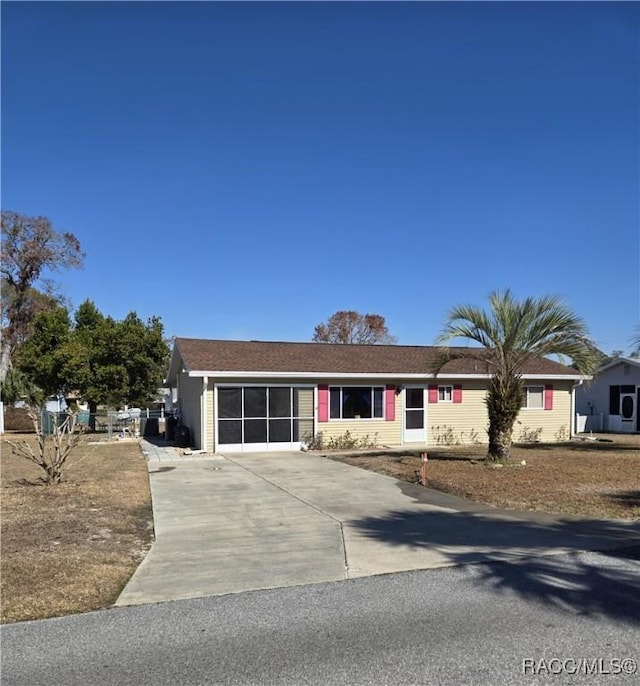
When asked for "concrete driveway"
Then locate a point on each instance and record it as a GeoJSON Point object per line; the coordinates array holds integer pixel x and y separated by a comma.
{"type": "Point", "coordinates": [234, 523]}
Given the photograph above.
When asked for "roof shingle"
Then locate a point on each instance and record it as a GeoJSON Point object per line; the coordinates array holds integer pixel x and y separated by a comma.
{"type": "Point", "coordinates": [200, 355]}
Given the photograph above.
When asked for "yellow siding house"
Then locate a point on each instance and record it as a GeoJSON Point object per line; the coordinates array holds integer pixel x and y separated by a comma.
{"type": "Point", "coordinates": [260, 395]}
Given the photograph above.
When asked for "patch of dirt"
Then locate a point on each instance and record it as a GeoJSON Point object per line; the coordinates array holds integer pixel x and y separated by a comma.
{"type": "Point", "coordinates": [72, 547]}
{"type": "Point", "coordinates": [584, 478]}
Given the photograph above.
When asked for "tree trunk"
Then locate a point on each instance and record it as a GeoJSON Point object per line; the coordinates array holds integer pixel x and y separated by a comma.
{"type": "Point", "coordinates": [499, 441]}
{"type": "Point", "coordinates": [5, 358]}
{"type": "Point", "coordinates": [54, 476]}
{"type": "Point", "coordinates": [93, 409]}
{"type": "Point", "coordinates": [503, 406]}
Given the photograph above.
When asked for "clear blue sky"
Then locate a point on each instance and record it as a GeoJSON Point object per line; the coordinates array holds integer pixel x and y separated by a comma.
{"type": "Point", "coordinates": [244, 170]}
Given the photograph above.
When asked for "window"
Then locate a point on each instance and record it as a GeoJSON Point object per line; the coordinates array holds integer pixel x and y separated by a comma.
{"type": "Point", "coordinates": [229, 403]}
{"type": "Point", "coordinates": [279, 402]}
{"type": "Point", "coordinates": [356, 402]}
{"type": "Point", "coordinates": [445, 394]}
{"type": "Point", "coordinates": [414, 398]}
{"type": "Point", "coordinates": [533, 398]}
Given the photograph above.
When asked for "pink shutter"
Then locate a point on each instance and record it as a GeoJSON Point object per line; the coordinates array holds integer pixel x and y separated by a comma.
{"type": "Point", "coordinates": [548, 397]}
{"type": "Point", "coordinates": [457, 394]}
{"type": "Point", "coordinates": [433, 393]}
{"type": "Point", "coordinates": [323, 403]}
{"type": "Point", "coordinates": [390, 403]}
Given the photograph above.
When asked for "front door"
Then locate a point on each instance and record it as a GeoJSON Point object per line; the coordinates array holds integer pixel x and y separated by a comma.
{"type": "Point", "coordinates": [415, 425]}
{"type": "Point", "coordinates": [628, 411]}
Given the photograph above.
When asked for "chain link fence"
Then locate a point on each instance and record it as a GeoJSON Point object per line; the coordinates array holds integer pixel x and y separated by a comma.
{"type": "Point", "coordinates": [132, 423]}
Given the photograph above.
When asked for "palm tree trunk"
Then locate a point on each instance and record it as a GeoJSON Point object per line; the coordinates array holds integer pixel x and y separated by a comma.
{"type": "Point", "coordinates": [499, 442]}
{"type": "Point", "coordinates": [503, 406]}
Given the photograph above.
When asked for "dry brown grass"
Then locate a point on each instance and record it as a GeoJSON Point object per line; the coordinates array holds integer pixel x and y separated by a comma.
{"type": "Point", "coordinates": [72, 547]}
{"type": "Point", "coordinates": [590, 479]}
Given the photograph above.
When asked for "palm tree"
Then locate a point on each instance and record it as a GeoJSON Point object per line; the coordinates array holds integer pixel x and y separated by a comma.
{"type": "Point", "coordinates": [635, 342]}
{"type": "Point", "coordinates": [512, 332]}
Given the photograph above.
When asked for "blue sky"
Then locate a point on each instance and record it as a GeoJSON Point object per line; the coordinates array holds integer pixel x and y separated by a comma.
{"type": "Point", "coordinates": [244, 170]}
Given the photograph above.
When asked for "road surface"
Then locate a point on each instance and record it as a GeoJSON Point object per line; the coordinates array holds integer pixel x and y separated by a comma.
{"type": "Point", "coordinates": [567, 619]}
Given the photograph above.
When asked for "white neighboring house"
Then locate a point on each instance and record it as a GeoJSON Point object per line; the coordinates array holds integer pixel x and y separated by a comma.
{"type": "Point", "coordinates": [56, 404]}
{"type": "Point", "coordinates": [611, 402]}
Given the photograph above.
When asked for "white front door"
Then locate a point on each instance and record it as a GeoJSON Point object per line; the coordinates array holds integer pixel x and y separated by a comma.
{"type": "Point", "coordinates": [628, 411]}
{"type": "Point", "coordinates": [415, 422]}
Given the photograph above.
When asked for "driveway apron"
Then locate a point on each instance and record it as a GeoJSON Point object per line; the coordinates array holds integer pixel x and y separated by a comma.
{"type": "Point", "coordinates": [221, 529]}
{"type": "Point", "coordinates": [255, 521]}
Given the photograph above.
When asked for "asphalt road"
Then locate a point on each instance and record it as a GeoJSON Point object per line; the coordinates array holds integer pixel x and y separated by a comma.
{"type": "Point", "coordinates": [570, 619]}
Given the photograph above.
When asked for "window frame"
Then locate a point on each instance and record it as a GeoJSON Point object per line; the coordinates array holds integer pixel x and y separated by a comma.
{"type": "Point", "coordinates": [525, 405]}
{"type": "Point", "coordinates": [442, 390]}
{"type": "Point", "coordinates": [293, 418]}
{"type": "Point", "coordinates": [372, 387]}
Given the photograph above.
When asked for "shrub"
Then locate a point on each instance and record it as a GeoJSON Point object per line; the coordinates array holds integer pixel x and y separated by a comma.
{"type": "Point", "coordinates": [528, 435]}
{"type": "Point", "coordinates": [344, 442]}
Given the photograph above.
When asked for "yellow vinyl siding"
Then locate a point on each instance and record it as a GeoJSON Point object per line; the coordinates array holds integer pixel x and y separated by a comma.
{"type": "Point", "coordinates": [305, 402]}
{"type": "Point", "coordinates": [210, 416]}
{"type": "Point", "coordinates": [306, 414]}
{"type": "Point", "coordinates": [555, 424]}
{"type": "Point", "coordinates": [464, 422]}
{"type": "Point", "coordinates": [467, 422]}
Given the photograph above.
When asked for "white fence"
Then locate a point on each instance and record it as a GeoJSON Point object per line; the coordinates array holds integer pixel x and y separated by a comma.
{"type": "Point", "coordinates": [589, 422]}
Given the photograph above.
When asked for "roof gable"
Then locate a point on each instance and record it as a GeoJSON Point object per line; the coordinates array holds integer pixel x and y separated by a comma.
{"type": "Point", "coordinates": [175, 362]}
{"type": "Point", "coordinates": [635, 362]}
{"type": "Point", "coordinates": [218, 356]}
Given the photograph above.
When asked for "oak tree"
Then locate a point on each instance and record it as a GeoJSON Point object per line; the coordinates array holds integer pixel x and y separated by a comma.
{"type": "Point", "coordinates": [104, 360]}
{"type": "Point", "coordinates": [32, 248]}
{"type": "Point", "coordinates": [348, 326]}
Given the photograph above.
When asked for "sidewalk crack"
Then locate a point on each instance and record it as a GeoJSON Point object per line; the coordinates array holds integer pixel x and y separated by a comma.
{"type": "Point", "coordinates": [304, 502]}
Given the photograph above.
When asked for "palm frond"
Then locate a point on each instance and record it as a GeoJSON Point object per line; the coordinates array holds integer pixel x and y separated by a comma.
{"type": "Point", "coordinates": [467, 321]}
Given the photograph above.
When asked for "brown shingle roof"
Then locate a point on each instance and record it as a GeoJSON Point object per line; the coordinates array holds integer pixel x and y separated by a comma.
{"type": "Point", "coordinates": [201, 355]}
